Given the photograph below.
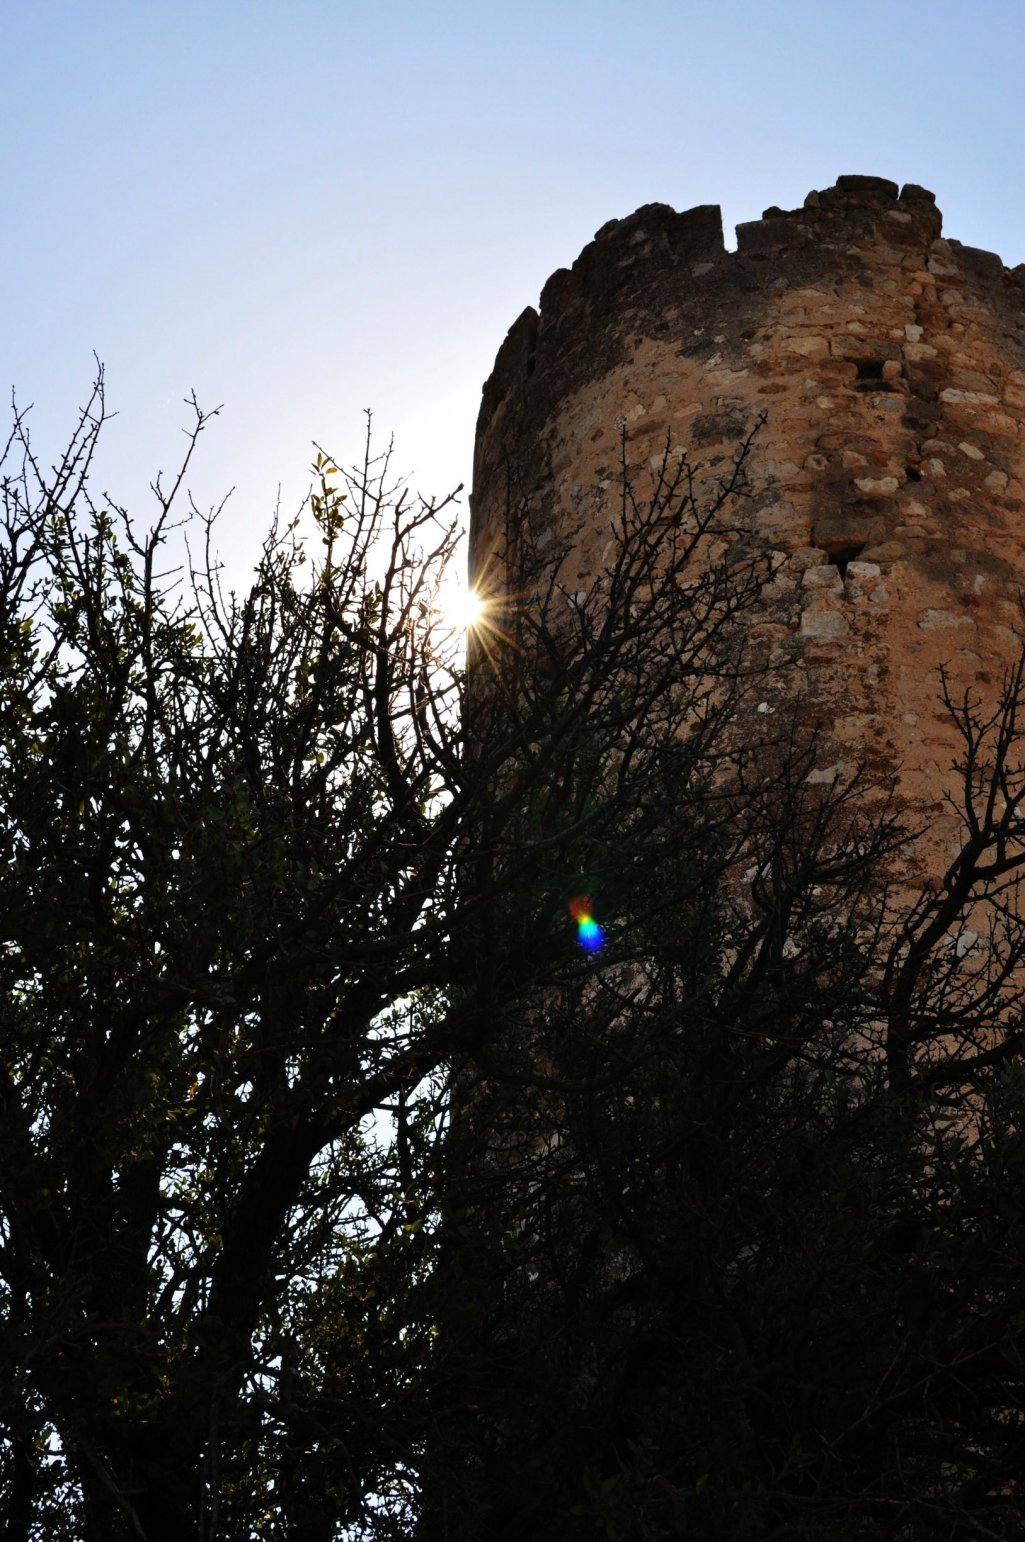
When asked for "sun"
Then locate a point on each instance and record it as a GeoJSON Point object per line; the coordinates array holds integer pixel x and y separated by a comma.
{"type": "Point", "coordinates": [476, 613]}
{"type": "Point", "coordinates": [462, 608]}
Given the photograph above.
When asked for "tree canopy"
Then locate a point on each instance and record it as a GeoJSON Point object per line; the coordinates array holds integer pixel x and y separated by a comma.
{"type": "Point", "coordinates": [343, 1194]}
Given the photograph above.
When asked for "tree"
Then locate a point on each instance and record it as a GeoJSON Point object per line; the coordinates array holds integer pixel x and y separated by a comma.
{"type": "Point", "coordinates": [745, 1260]}
{"type": "Point", "coordinates": [342, 1193]}
{"type": "Point", "coordinates": [262, 902]}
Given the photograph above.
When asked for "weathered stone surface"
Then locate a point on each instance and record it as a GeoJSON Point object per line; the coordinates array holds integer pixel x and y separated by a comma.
{"type": "Point", "coordinates": [824, 623]}
{"type": "Point", "coordinates": [889, 479]}
{"type": "Point", "coordinates": [867, 185]}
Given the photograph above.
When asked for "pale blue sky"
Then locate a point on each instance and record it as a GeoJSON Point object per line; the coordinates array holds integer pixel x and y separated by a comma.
{"type": "Point", "coordinates": [303, 209]}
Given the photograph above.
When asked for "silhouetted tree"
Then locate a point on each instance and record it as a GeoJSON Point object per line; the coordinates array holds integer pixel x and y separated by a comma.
{"type": "Point", "coordinates": [259, 899]}
{"type": "Point", "coordinates": [342, 1193]}
{"type": "Point", "coordinates": [743, 1259]}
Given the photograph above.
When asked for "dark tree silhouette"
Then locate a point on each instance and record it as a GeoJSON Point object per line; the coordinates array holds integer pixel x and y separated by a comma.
{"type": "Point", "coordinates": [342, 1193]}
{"type": "Point", "coordinates": [258, 899]}
{"type": "Point", "coordinates": [735, 1231]}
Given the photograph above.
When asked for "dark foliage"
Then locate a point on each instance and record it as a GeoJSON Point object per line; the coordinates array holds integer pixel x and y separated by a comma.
{"type": "Point", "coordinates": [735, 1234]}
{"type": "Point", "coordinates": [341, 1194]}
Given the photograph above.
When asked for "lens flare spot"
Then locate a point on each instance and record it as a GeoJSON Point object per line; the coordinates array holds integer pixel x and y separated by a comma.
{"type": "Point", "coordinates": [589, 933]}
{"type": "Point", "coordinates": [462, 609]}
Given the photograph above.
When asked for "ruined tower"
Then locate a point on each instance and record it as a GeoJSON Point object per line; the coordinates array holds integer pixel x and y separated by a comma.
{"type": "Point", "coordinates": [888, 481]}
{"type": "Point", "coordinates": [736, 1209]}
{"type": "Point", "coordinates": [733, 1265]}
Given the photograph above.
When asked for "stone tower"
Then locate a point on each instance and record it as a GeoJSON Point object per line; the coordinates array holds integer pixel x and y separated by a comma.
{"type": "Point", "coordinates": [684, 1260]}
{"type": "Point", "coordinates": [889, 477]}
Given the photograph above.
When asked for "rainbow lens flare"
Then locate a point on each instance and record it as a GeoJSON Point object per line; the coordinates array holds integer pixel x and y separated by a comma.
{"type": "Point", "coordinates": [589, 934]}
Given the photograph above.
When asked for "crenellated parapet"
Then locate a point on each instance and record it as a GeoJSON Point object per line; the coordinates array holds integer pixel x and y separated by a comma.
{"type": "Point", "coordinates": [888, 483]}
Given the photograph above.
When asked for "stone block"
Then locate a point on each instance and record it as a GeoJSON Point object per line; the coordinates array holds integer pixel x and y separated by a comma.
{"type": "Point", "coordinates": [758, 238]}
{"type": "Point", "coordinates": [934, 620]}
{"type": "Point", "coordinates": [941, 266]}
{"type": "Point", "coordinates": [806, 557]}
{"type": "Point", "coordinates": [826, 576]}
{"type": "Point", "coordinates": [957, 398]}
{"type": "Point", "coordinates": [697, 233]}
{"type": "Point", "coordinates": [876, 487]}
{"type": "Point", "coordinates": [809, 347]}
{"type": "Point", "coordinates": [824, 624]}
{"type": "Point", "coordinates": [917, 197]}
{"type": "Point", "coordinates": [881, 187]}
{"type": "Point", "coordinates": [985, 264]}
{"type": "Point", "coordinates": [865, 350]}
{"type": "Point", "coordinates": [863, 572]}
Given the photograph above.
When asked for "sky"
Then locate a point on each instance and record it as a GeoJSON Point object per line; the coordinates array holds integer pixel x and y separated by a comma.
{"type": "Point", "coordinates": [304, 209]}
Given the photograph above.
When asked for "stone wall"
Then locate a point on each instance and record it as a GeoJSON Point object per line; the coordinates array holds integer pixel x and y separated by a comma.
{"type": "Point", "coordinates": [889, 478]}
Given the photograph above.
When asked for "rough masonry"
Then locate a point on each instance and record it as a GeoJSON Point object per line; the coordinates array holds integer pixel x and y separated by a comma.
{"type": "Point", "coordinates": [890, 476]}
